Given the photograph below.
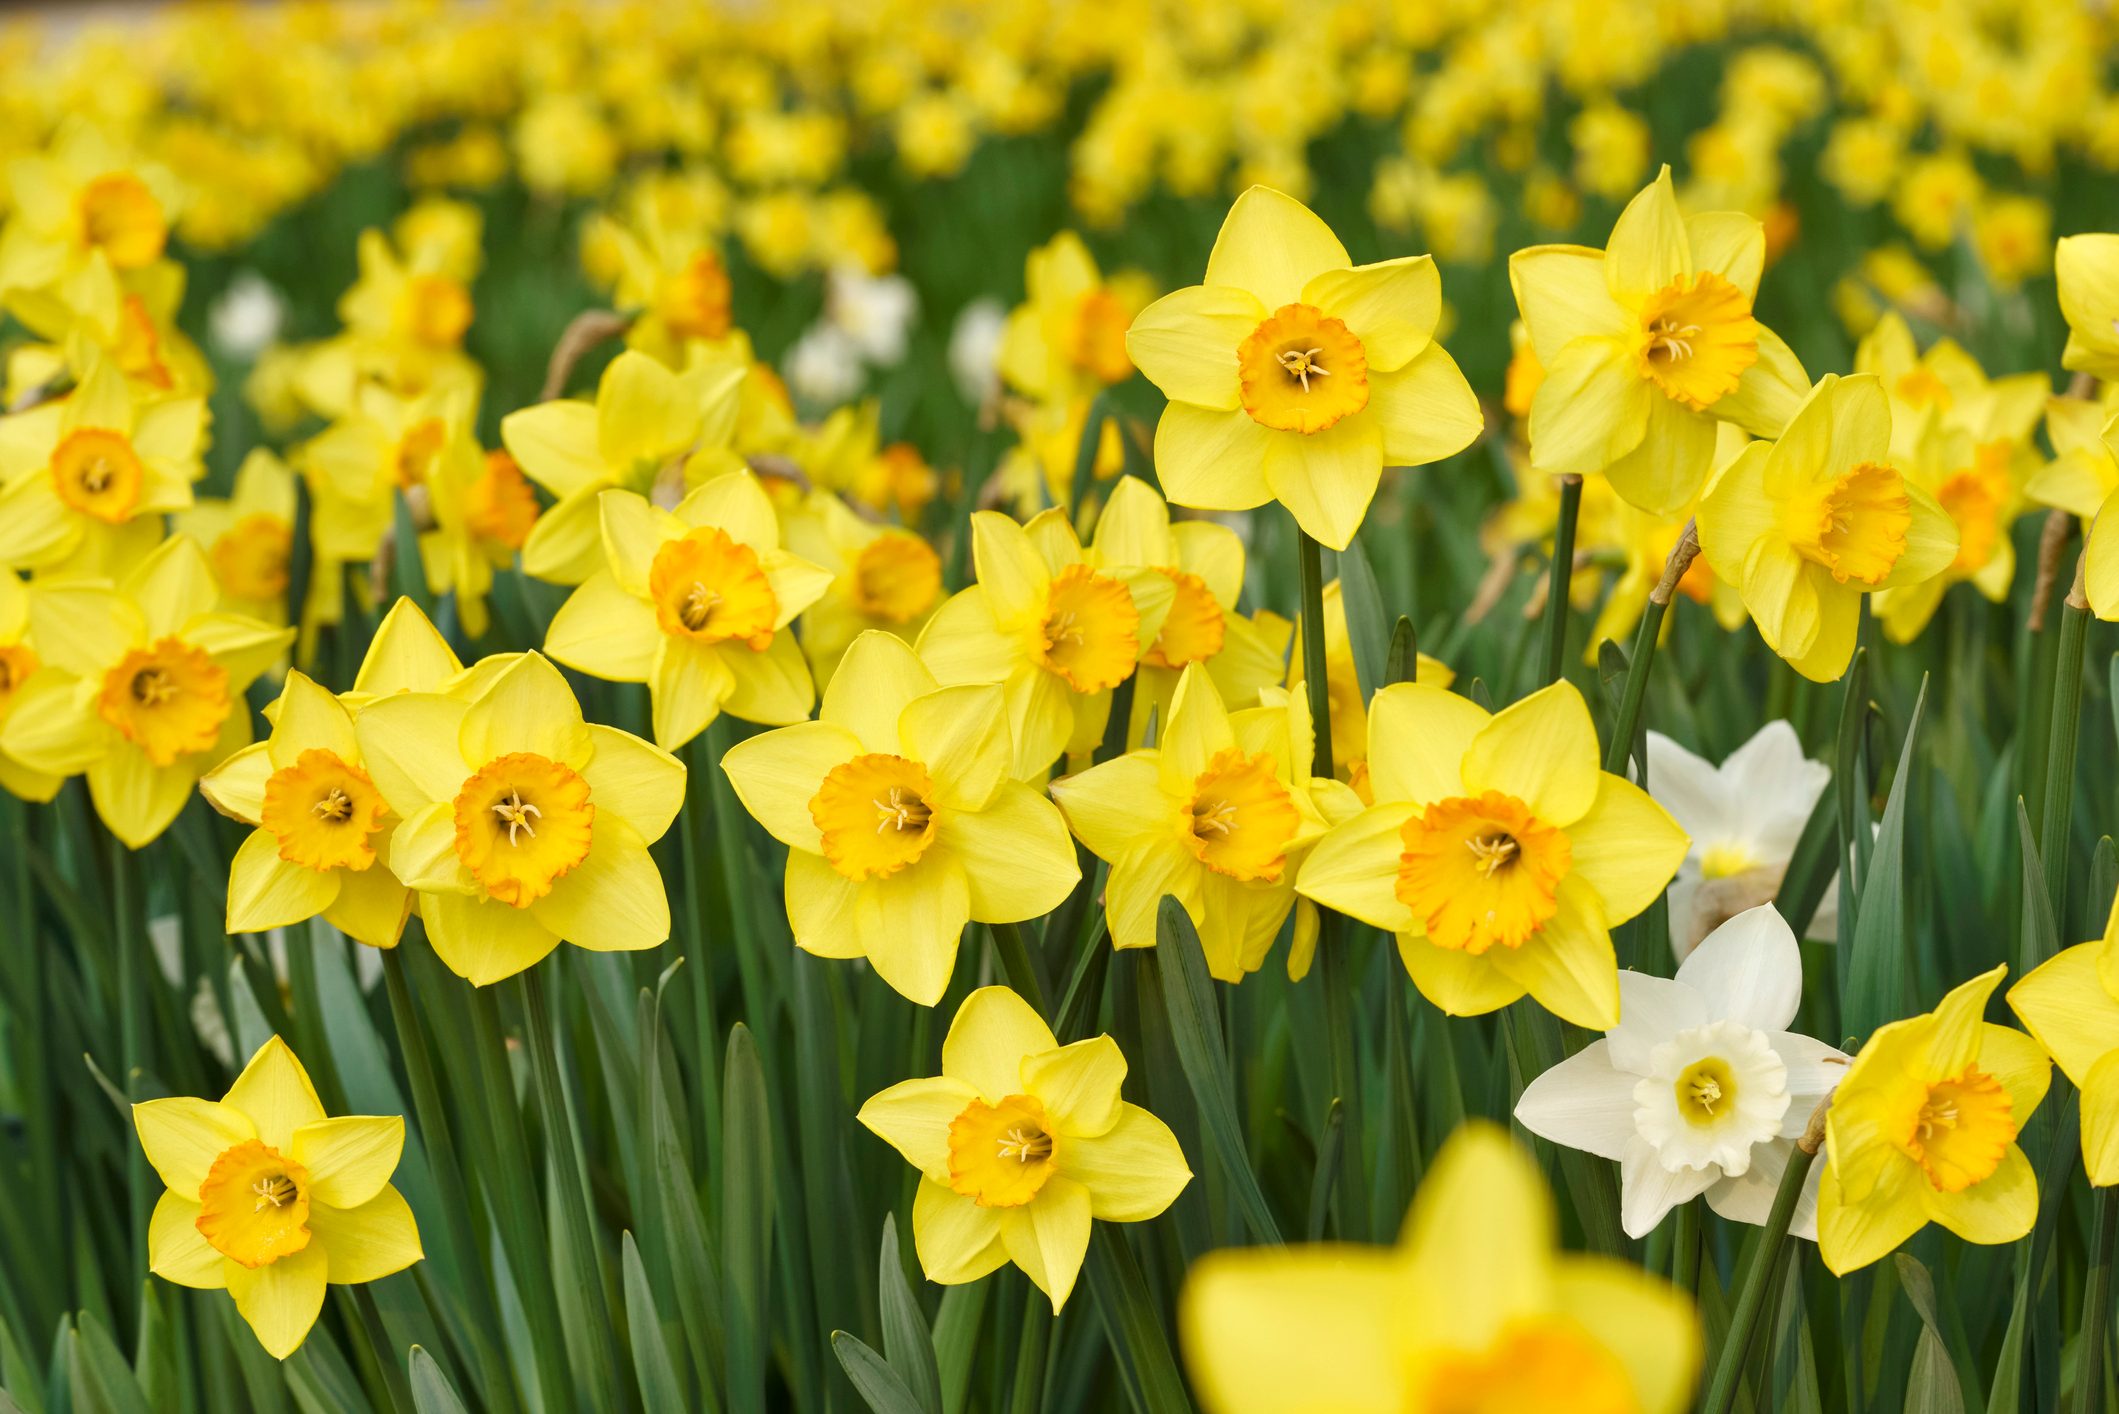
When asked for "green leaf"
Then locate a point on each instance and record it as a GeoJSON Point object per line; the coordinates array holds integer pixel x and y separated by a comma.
{"type": "Point", "coordinates": [882, 1388]}
{"type": "Point", "coordinates": [101, 1377]}
{"type": "Point", "coordinates": [905, 1339]}
{"type": "Point", "coordinates": [681, 1230]}
{"type": "Point", "coordinates": [1811, 867]}
{"type": "Point", "coordinates": [1195, 1029]}
{"type": "Point", "coordinates": [2037, 935]}
{"type": "Point", "coordinates": [431, 1391]}
{"type": "Point", "coordinates": [1402, 663]}
{"type": "Point", "coordinates": [1330, 1143]}
{"type": "Point", "coordinates": [660, 1387]}
{"type": "Point", "coordinates": [1948, 1384]}
{"type": "Point", "coordinates": [746, 1222]}
{"type": "Point", "coordinates": [1880, 971]}
{"type": "Point", "coordinates": [956, 1340]}
{"type": "Point", "coordinates": [1368, 631]}
{"type": "Point", "coordinates": [1146, 1368]}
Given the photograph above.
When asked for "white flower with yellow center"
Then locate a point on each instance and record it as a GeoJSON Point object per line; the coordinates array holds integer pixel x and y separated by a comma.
{"type": "Point", "coordinates": [523, 826]}
{"type": "Point", "coordinates": [1745, 817]}
{"type": "Point", "coordinates": [1700, 1088]}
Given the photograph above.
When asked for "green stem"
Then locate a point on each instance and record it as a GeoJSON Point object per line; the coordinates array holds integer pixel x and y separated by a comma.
{"type": "Point", "coordinates": [568, 1166]}
{"type": "Point", "coordinates": [129, 910]}
{"type": "Point", "coordinates": [1018, 964]}
{"type": "Point", "coordinates": [1685, 1248]}
{"type": "Point", "coordinates": [2097, 1305]}
{"type": "Point", "coordinates": [2057, 818]}
{"type": "Point", "coordinates": [706, 1025]}
{"type": "Point", "coordinates": [1033, 1353]}
{"type": "Point", "coordinates": [1563, 573]}
{"type": "Point", "coordinates": [380, 1348]}
{"type": "Point", "coordinates": [1757, 1281]}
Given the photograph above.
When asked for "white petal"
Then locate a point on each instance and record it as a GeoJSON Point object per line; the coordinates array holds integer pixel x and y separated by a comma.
{"type": "Point", "coordinates": [1583, 1102]}
{"type": "Point", "coordinates": [1647, 1190]}
{"type": "Point", "coordinates": [1814, 1070]}
{"type": "Point", "coordinates": [1690, 789]}
{"type": "Point", "coordinates": [1749, 970]}
{"type": "Point", "coordinates": [1651, 1011]}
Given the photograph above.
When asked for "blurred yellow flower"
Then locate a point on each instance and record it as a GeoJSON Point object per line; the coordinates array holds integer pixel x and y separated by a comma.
{"type": "Point", "coordinates": [2070, 1005]}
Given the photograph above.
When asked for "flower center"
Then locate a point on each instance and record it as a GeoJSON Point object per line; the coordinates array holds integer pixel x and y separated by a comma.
{"type": "Point", "coordinates": [694, 302]}
{"type": "Point", "coordinates": [1697, 337]}
{"type": "Point", "coordinates": [1096, 344]}
{"type": "Point", "coordinates": [434, 310]}
{"type": "Point", "coordinates": [119, 216]}
{"type": "Point", "coordinates": [139, 348]}
{"type": "Point", "coordinates": [1921, 388]}
{"type": "Point", "coordinates": [1000, 1155]}
{"type": "Point", "coordinates": [17, 662]}
{"type": "Point", "coordinates": [254, 1205]}
{"type": "Point", "coordinates": [1973, 498]}
{"type": "Point", "coordinates": [1302, 371]}
{"type": "Point", "coordinates": [97, 472]}
{"type": "Point", "coordinates": [1539, 1363]}
{"type": "Point", "coordinates": [1482, 870]}
{"type": "Point", "coordinates": [169, 699]}
{"type": "Point", "coordinates": [1962, 1130]}
{"type": "Point", "coordinates": [1193, 630]}
{"type": "Point", "coordinates": [876, 815]}
{"type": "Point", "coordinates": [500, 507]}
{"type": "Point", "coordinates": [251, 559]}
{"type": "Point", "coordinates": [896, 577]}
{"type": "Point", "coordinates": [1090, 635]}
{"type": "Point", "coordinates": [710, 588]}
{"type": "Point", "coordinates": [417, 451]}
{"type": "Point", "coordinates": [522, 822]}
{"type": "Point", "coordinates": [1726, 861]}
{"type": "Point", "coordinates": [1855, 526]}
{"type": "Point", "coordinates": [324, 811]}
{"type": "Point", "coordinates": [1706, 1091]}
{"type": "Point", "coordinates": [1241, 817]}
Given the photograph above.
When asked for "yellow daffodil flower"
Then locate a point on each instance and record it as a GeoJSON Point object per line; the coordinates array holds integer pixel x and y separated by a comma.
{"type": "Point", "coordinates": [1923, 1129]}
{"type": "Point", "coordinates": [404, 326]}
{"type": "Point", "coordinates": [522, 826]}
{"type": "Point", "coordinates": [481, 511]}
{"type": "Point", "coordinates": [269, 1199]}
{"type": "Point", "coordinates": [147, 692]}
{"type": "Point", "coordinates": [139, 334]}
{"type": "Point", "coordinates": [84, 479]}
{"type": "Point", "coordinates": [674, 279]}
{"type": "Point", "coordinates": [1647, 344]}
{"type": "Point", "coordinates": [1294, 375]}
{"type": "Point", "coordinates": [884, 577]}
{"type": "Point", "coordinates": [1203, 561]}
{"type": "Point", "coordinates": [1068, 339]}
{"type": "Point", "coordinates": [407, 654]}
{"type": "Point", "coordinates": [900, 818]}
{"type": "Point", "coordinates": [1346, 706]}
{"type": "Point", "coordinates": [249, 538]}
{"type": "Point", "coordinates": [695, 603]}
{"type": "Point", "coordinates": [2083, 472]}
{"type": "Point", "coordinates": [1498, 851]}
{"type": "Point", "coordinates": [2070, 1005]}
{"type": "Point", "coordinates": [1473, 1310]}
{"type": "Point", "coordinates": [1220, 813]}
{"type": "Point", "coordinates": [1056, 632]}
{"type": "Point", "coordinates": [322, 840]}
{"type": "Point", "coordinates": [650, 431]}
{"type": "Point", "coordinates": [386, 445]}
{"type": "Point", "coordinates": [2087, 269]}
{"type": "Point", "coordinates": [1021, 1143]}
{"type": "Point", "coordinates": [85, 214]}
{"type": "Point", "coordinates": [1805, 526]}
{"type": "Point", "coordinates": [18, 664]}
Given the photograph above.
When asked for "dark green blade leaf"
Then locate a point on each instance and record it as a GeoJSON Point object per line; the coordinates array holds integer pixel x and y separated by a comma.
{"type": "Point", "coordinates": [1880, 971]}
{"type": "Point", "coordinates": [1368, 630]}
{"type": "Point", "coordinates": [881, 1387]}
{"type": "Point", "coordinates": [660, 1387]}
{"type": "Point", "coordinates": [905, 1339]}
{"type": "Point", "coordinates": [431, 1391]}
{"type": "Point", "coordinates": [746, 1222]}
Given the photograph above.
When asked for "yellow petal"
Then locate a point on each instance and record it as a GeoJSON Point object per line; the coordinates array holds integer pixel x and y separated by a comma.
{"type": "Point", "coordinates": [909, 925]}
{"type": "Point", "coordinates": [2064, 1005]}
{"type": "Point", "coordinates": [407, 654]}
{"type": "Point", "coordinates": [1568, 965]}
{"type": "Point", "coordinates": [282, 1299]}
{"type": "Point", "coordinates": [688, 685]}
{"type": "Point", "coordinates": [614, 900]}
{"type": "Point", "coordinates": [1643, 1320]}
{"type": "Point", "coordinates": [2020, 1064]}
{"type": "Point", "coordinates": [913, 1117]}
{"type": "Point", "coordinates": [1931, 542]}
{"type": "Point", "coordinates": [423, 852]}
{"type": "Point", "coordinates": [176, 1251]}
{"type": "Point", "coordinates": [1769, 391]}
{"type": "Point", "coordinates": [960, 734]}
{"type": "Point", "coordinates": [1426, 410]}
{"type": "Point", "coordinates": [1481, 1231]}
{"type": "Point", "coordinates": [1561, 294]}
{"type": "Point", "coordinates": [820, 906]}
{"type": "Point", "coordinates": [637, 781]}
{"type": "Point", "coordinates": [1627, 847]}
{"type": "Point", "coordinates": [1591, 409]}
{"type": "Point", "coordinates": [1455, 981]}
{"type": "Point", "coordinates": [1049, 1236]}
{"type": "Point", "coordinates": [1999, 1208]}
{"type": "Point", "coordinates": [1078, 1086]}
{"type": "Point", "coordinates": [310, 718]}
{"type": "Point", "coordinates": [409, 747]}
{"type": "Point", "coordinates": [236, 787]}
{"type": "Point", "coordinates": [1354, 868]}
{"type": "Point", "coordinates": [963, 642]}
{"type": "Point", "coordinates": [1731, 244]}
{"type": "Point", "coordinates": [1134, 889]}
{"type": "Point", "coordinates": [1327, 479]}
{"type": "Point", "coordinates": [777, 773]}
{"type": "Point", "coordinates": [1663, 474]}
{"type": "Point", "coordinates": [875, 682]}
{"type": "Point", "coordinates": [2100, 1121]}
{"type": "Point", "coordinates": [1648, 249]}
{"type": "Point", "coordinates": [1272, 245]}
{"type": "Point", "coordinates": [1198, 729]}
{"type": "Point", "coordinates": [1016, 856]}
{"type": "Point", "coordinates": [603, 631]}
{"type": "Point", "coordinates": [369, 1242]}
{"type": "Point", "coordinates": [956, 1239]}
{"type": "Point", "coordinates": [529, 708]}
{"type": "Point", "coordinates": [555, 444]}
{"type": "Point", "coordinates": [1111, 806]}
{"type": "Point", "coordinates": [371, 906]}
{"type": "Point", "coordinates": [1391, 306]}
{"type": "Point", "coordinates": [349, 1158]}
{"type": "Point", "coordinates": [1418, 738]}
{"type": "Point", "coordinates": [1843, 422]}
{"type": "Point", "coordinates": [1009, 568]}
{"type": "Point", "coordinates": [644, 412]}
{"type": "Point", "coordinates": [483, 941]}
{"type": "Point", "coordinates": [993, 1032]}
{"type": "Point", "coordinates": [136, 799]}
{"type": "Point", "coordinates": [737, 504]}
{"type": "Point", "coordinates": [1212, 460]}
{"type": "Point", "coordinates": [1270, 1330]}
{"type": "Point", "coordinates": [565, 546]}
{"type": "Point", "coordinates": [1186, 343]}
{"type": "Point", "coordinates": [265, 891]}
{"type": "Point", "coordinates": [183, 1136]}
{"type": "Point", "coordinates": [773, 687]}
{"type": "Point", "coordinates": [1134, 1170]}
{"type": "Point", "coordinates": [274, 1091]}
{"type": "Point", "coordinates": [1543, 751]}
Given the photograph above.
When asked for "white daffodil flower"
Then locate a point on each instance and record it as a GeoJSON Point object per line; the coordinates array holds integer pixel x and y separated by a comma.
{"type": "Point", "coordinates": [1700, 1088]}
{"type": "Point", "coordinates": [1745, 817]}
